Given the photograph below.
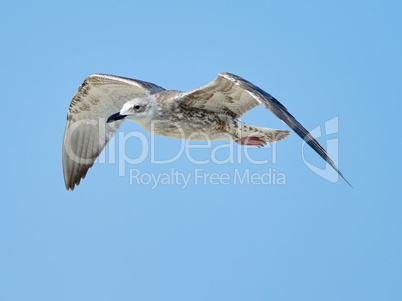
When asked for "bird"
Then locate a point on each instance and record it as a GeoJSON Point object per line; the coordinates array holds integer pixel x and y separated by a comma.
{"type": "Point", "coordinates": [211, 112]}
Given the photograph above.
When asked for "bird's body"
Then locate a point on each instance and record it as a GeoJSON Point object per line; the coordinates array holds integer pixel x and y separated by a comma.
{"type": "Point", "coordinates": [167, 117]}
{"type": "Point", "coordinates": [211, 112]}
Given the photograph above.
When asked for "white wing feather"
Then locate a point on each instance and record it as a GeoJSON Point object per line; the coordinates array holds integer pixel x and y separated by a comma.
{"type": "Point", "coordinates": [86, 132]}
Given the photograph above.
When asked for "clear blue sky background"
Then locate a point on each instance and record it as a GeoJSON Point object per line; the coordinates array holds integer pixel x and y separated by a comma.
{"type": "Point", "coordinates": [108, 240]}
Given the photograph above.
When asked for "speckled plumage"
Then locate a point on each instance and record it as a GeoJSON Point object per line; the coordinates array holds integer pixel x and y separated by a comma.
{"type": "Point", "coordinates": [174, 116]}
{"type": "Point", "coordinates": [211, 112]}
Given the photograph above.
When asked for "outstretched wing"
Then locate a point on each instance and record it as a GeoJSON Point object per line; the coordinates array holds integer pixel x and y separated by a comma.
{"type": "Point", "coordinates": [235, 96]}
{"type": "Point", "coordinates": [87, 132]}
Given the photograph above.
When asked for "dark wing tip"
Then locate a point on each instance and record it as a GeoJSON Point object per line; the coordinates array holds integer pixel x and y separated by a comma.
{"type": "Point", "coordinates": [280, 111]}
{"type": "Point", "coordinates": [344, 179]}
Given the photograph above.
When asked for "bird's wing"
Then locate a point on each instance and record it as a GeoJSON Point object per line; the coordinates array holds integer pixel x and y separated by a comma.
{"type": "Point", "coordinates": [87, 132]}
{"type": "Point", "coordinates": [226, 94]}
{"type": "Point", "coordinates": [235, 96]}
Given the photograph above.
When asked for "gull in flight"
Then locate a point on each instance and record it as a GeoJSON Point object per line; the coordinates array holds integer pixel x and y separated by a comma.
{"type": "Point", "coordinates": [211, 112]}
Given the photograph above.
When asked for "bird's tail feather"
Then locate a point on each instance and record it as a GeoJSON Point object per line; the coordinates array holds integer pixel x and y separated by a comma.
{"type": "Point", "coordinates": [267, 135]}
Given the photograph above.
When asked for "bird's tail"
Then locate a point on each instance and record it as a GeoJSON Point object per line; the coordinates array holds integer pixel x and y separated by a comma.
{"type": "Point", "coordinates": [257, 136]}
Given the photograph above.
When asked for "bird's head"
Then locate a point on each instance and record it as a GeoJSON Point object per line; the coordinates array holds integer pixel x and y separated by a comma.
{"type": "Point", "coordinates": [139, 110]}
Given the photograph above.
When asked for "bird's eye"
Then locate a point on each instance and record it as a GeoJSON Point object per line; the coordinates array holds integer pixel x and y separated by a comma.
{"type": "Point", "coordinates": [137, 107]}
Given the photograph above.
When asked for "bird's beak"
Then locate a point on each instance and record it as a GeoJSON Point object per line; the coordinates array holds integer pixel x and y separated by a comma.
{"type": "Point", "coordinates": [115, 117]}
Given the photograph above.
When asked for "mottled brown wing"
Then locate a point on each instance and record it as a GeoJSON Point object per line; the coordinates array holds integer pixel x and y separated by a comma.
{"type": "Point", "coordinates": [86, 132]}
{"type": "Point", "coordinates": [223, 95]}
{"type": "Point", "coordinates": [234, 95]}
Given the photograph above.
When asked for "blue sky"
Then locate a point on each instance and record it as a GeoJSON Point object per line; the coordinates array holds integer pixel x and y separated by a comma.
{"type": "Point", "coordinates": [309, 239]}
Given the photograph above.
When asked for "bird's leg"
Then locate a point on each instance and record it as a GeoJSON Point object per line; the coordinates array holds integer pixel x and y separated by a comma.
{"type": "Point", "coordinates": [251, 141]}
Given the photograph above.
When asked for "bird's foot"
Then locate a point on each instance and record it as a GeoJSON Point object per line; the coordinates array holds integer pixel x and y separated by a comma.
{"type": "Point", "coordinates": [251, 141]}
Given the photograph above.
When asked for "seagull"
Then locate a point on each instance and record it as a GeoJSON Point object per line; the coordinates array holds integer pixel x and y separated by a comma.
{"type": "Point", "coordinates": [211, 112]}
